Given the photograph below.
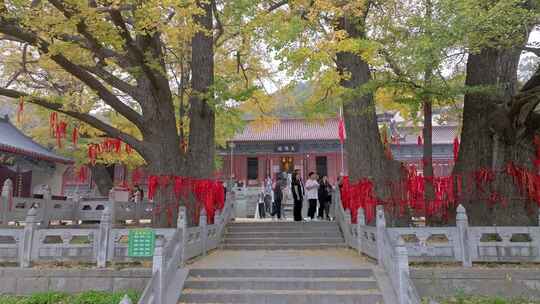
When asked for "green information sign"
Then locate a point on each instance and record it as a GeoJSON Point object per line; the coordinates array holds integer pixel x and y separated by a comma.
{"type": "Point", "coordinates": [141, 243]}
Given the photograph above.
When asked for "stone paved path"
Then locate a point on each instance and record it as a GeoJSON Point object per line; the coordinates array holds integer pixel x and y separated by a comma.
{"type": "Point", "coordinates": [308, 259]}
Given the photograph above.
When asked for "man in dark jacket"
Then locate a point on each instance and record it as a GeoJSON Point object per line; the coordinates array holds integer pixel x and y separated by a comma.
{"type": "Point", "coordinates": [297, 189]}
{"type": "Point", "coordinates": [325, 198]}
{"type": "Point", "coordinates": [278, 197]}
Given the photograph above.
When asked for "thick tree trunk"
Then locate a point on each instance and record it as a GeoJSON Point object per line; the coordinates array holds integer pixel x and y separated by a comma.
{"type": "Point", "coordinates": [201, 150]}
{"type": "Point", "coordinates": [487, 140]}
{"type": "Point", "coordinates": [102, 178]}
{"type": "Point", "coordinates": [365, 151]}
{"type": "Point", "coordinates": [162, 154]}
{"type": "Point", "coordinates": [427, 157]}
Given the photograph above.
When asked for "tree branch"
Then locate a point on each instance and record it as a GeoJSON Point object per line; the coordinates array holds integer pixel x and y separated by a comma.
{"type": "Point", "coordinates": [86, 118]}
{"type": "Point", "coordinates": [114, 81]}
{"type": "Point", "coordinates": [277, 5]}
{"type": "Point", "coordinates": [220, 29]}
{"type": "Point", "coordinates": [77, 71]}
{"type": "Point", "coordinates": [132, 49]}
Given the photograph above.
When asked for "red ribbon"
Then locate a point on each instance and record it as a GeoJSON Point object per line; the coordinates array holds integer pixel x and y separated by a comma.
{"type": "Point", "coordinates": [53, 117]}
{"type": "Point", "coordinates": [83, 174]}
{"type": "Point", "coordinates": [136, 176]}
{"type": "Point", "coordinates": [456, 149]}
{"type": "Point", "coordinates": [75, 136]}
{"type": "Point", "coordinates": [153, 183]}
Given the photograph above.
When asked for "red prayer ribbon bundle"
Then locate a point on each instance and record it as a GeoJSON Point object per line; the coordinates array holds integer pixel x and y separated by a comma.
{"type": "Point", "coordinates": [208, 193]}
{"type": "Point", "coordinates": [75, 136]}
{"type": "Point", "coordinates": [456, 149]}
{"type": "Point", "coordinates": [83, 174]}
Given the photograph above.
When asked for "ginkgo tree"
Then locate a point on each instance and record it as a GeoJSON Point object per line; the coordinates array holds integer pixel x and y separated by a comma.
{"type": "Point", "coordinates": [151, 63]}
{"type": "Point", "coordinates": [137, 59]}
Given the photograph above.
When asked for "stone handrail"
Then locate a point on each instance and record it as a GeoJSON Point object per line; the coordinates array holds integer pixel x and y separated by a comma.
{"type": "Point", "coordinates": [36, 243]}
{"type": "Point", "coordinates": [377, 243]}
{"type": "Point", "coordinates": [460, 243]}
{"type": "Point", "coordinates": [168, 272]}
{"type": "Point", "coordinates": [394, 258]}
{"type": "Point", "coordinates": [15, 209]}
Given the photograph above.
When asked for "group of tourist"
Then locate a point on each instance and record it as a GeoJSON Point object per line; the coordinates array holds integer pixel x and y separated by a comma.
{"type": "Point", "coordinates": [317, 190]}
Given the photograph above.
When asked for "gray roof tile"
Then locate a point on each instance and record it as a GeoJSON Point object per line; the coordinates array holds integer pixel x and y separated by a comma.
{"type": "Point", "coordinates": [14, 141]}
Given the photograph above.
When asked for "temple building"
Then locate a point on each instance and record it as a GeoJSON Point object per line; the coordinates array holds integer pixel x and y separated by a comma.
{"type": "Point", "coordinates": [294, 143]}
{"type": "Point", "coordinates": [29, 165]}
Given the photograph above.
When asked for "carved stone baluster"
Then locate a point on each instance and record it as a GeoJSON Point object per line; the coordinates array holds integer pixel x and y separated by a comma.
{"type": "Point", "coordinates": [462, 223]}
{"type": "Point", "coordinates": [361, 222]}
{"type": "Point", "coordinates": [181, 224]}
{"type": "Point", "coordinates": [27, 244]}
{"type": "Point", "coordinates": [7, 198]}
{"type": "Point", "coordinates": [105, 228]}
{"type": "Point", "coordinates": [381, 229]}
{"type": "Point", "coordinates": [203, 224]}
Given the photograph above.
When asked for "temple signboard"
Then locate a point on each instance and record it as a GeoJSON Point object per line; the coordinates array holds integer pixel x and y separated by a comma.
{"type": "Point", "coordinates": [286, 148]}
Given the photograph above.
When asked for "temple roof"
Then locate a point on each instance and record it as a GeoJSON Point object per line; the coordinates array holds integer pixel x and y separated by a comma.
{"type": "Point", "coordinates": [294, 129]}
{"type": "Point", "coordinates": [12, 140]}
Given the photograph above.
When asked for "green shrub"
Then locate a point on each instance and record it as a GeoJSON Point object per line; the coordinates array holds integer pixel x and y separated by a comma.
{"type": "Point", "coordinates": [484, 300]}
{"type": "Point", "coordinates": [88, 297]}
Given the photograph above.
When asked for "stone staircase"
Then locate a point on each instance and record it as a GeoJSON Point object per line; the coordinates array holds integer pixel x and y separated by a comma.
{"type": "Point", "coordinates": [285, 262]}
{"type": "Point", "coordinates": [298, 286]}
{"type": "Point", "coordinates": [278, 235]}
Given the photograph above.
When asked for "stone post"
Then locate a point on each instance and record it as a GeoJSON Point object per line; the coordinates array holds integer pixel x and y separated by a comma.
{"type": "Point", "coordinates": [104, 238]}
{"type": "Point", "coordinates": [158, 270]}
{"type": "Point", "coordinates": [76, 215]}
{"type": "Point", "coordinates": [462, 224]}
{"type": "Point", "coordinates": [112, 205]}
{"type": "Point", "coordinates": [47, 207]}
{"type": "Point", "coordinates": [336, 199]}
{"type": "Point", "coordinates": [181, 224]}
{"type": "Point", "coordinates": [217, 218]}
{"type": "Point", "coordinates": [204, 231]}
{"type": "Point", "coordinates": [360, 223]}
{"type": "Point", "coordinates": [381, 229]}
{"type": "Point", "coordinates": [348, 217]}
{"type": "Point", "coordinates": [27, 242]}
{"type": "Point", "coordinates": [7, 197]}
{"type": "Point", "coordinates": [402, 261]}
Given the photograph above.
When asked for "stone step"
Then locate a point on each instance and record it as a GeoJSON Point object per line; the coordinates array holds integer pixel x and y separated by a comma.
{"type": "Point", "coordinates": [280, 273]}
{"type": "Point", "coordinates": [284, 240]}
{"type": "Point", "coordinates": [283, 234]}
{"type": "Point", "coordinates": [281, 246]}
{"type": "Point", "coordinates": [280, 296]}
{"type": "Point", "coordinates": [280, 284]}
{"type": "Point", "coordinates": [277, 228]}
{"type": "Point", "coordinates": [283, 223]}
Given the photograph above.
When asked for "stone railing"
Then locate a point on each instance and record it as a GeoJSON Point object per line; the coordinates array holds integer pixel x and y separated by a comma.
{"type": "Point", "coordinates": [15, 209]}
{"type": "Point", "coordinates": [376, 242]}
{"type": "Point", "coordinates": [169, 273]}
{"type": "Point", "coordinates": [461, 243]}
{"type": "Point", "coordinates": [467, 244]}
{"type": "Point", "coordinates": [37, 243]}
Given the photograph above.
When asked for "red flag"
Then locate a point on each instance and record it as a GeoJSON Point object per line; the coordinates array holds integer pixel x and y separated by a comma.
{"type": "Point", "coordinates": [456, 148]}
{"type": "Point", "coordinates": [341, 130]}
